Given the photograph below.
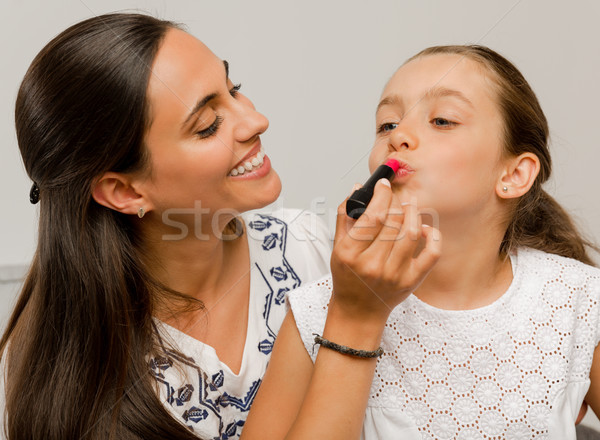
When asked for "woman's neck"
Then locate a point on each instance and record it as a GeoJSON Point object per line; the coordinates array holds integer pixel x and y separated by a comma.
{"type": "Point", "coordinates": [203, 267]}
{"type": "Point", "coordinates": [214, 271]}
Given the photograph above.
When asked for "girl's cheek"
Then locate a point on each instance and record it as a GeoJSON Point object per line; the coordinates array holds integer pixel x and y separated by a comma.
{"type": "Point", "coordinates": [373, 163]}
{"type": "Point", "coordinates": [377, 156]}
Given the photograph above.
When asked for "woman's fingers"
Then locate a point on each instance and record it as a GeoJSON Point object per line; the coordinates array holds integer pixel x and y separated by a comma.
{"type": "Point", "coordinates": [343, 223]}
{"type": "Point", "coordinates": [352, 237]}
{"type": "Point", "coordinates": [370, 223]}
{"type": "Point", "coordinates": [430, 253]}
{"type": "Point", "coordinates": [393, 222]}
{"type": "Point", "coordinates": [387, 251]}
{"type": "Point", "coordinates": [378, 252]}
{"type": "Point", "coordinates": [415, 251]}
{"type": "Point", "coordinates": [407, 238]}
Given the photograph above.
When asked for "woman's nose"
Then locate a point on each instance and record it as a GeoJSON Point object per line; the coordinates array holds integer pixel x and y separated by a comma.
{"type": "Point", "coordinates": [251, 123]}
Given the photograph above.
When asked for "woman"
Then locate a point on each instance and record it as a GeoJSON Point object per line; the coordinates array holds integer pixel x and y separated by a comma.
{"type": "Point", "coordinates": [144, 153]}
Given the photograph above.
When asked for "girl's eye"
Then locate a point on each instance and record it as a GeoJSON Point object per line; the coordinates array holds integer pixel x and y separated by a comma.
{"type": "Point", "coordinates": [235, 89]}
{"type": "Point", "coordinates": [388, 126]}
{"type": "Point", "coordinates": [207, 132]}
{"type": "Point", "coordinates": [442, 123]}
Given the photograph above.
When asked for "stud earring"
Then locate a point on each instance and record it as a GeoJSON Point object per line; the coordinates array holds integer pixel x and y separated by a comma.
{"type": "Point", "coordinates": [505, 189]}
{"type": "Point", "coordinates": [141, 212]}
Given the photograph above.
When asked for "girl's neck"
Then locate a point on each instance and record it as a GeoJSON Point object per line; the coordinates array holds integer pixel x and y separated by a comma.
{"type": "Point", "coordinates": [470, 273]}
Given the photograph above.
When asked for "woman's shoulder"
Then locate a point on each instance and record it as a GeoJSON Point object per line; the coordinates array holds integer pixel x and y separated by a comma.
{"type": "Point", "coordinates": [299, 235]}
{"type": "Point", "coordinates": [301, 224]}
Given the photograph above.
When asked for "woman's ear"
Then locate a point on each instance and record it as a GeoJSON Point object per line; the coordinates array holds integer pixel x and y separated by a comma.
{"type": "Point", "coordinates": [518, 176]}
{"type": "Point", "coordinates": [116, 191]}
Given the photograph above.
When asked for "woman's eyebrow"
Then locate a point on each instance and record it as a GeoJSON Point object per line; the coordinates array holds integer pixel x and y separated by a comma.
{"type": "Point", "coordinates": [203, 101]}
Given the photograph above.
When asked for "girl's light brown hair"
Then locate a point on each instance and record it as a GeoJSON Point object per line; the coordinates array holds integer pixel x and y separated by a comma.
{"type": "Point", "coordinates": [537, 220]}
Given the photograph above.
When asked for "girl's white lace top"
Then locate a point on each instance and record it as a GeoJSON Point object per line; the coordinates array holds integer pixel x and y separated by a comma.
{"type": "Point", "coordinates": [515, 369]}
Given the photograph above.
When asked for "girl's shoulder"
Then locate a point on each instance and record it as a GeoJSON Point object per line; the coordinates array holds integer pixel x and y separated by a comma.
{"type": "Point", "coordinates": [558, 268]}
{"type": "Point", "coordinates": [564, 291]}
{"type": "Point", "coordinates": [309, 305]}
{"type": "Point", "coordinates": [537, 253]}
{"type": "Point", "coordinates": [559, 282]}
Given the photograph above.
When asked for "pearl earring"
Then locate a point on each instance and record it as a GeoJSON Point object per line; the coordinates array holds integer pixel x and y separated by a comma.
{"type": "Point", "coordinates": [505, 189]}
{"type": "Point", "coordinates": [141, 212]}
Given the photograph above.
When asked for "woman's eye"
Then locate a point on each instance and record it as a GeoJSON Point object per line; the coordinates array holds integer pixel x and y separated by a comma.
{"type": "Point", "coordinates": [442, 123]}
{"type": "Point", "coordinates": [388, 126]}
{"type": "Point", "coordinates": [207, 132]}
{"type": "Point", "coordinates": [235, 89]}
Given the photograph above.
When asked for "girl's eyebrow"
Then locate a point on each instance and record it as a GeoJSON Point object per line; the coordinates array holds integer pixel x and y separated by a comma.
{"type": "Point", "coordinates": [443, 92]}
{"type": "Point", "coordinates": [433, 93]}
{"type": "Point", "coordinates": [388, 100]}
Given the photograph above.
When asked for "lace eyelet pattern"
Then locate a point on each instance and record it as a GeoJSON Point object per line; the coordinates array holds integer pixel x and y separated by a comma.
{"type": "Point", "coordinates": [494, 372]}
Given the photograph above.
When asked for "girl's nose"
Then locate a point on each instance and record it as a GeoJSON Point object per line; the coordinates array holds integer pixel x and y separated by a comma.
{"type": "Point", "coordinates": [402, 137]}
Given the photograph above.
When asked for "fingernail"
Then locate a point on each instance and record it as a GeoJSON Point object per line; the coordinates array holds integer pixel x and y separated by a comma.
{"type": "Point", "coordinates": [426, 226]}
{"type": "Point", "coordinates": [404, 203]}
{"type": "Point", "coordinates": [385, 182]}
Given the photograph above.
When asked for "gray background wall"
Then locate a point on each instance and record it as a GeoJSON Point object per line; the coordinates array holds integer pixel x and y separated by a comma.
{"type": "Point", "coordinates": [316, 69]}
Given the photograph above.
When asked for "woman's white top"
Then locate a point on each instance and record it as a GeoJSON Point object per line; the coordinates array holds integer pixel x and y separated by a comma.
{"type": "Point", "coordinates": [288, 249]}
{"type": "Point", "coordinates": [515, 369]}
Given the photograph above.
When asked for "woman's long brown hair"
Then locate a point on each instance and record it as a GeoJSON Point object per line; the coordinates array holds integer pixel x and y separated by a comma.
{"type": "Point", "coordinates": [76, 345]}
{"type": "Point", "coordinates": [536, 219]}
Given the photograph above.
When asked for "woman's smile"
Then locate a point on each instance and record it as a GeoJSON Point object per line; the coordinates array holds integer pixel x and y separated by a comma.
{"type": "Point", "coordinates": [251, 163]}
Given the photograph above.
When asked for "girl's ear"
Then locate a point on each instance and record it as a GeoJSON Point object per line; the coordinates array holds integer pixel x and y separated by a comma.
{"type": "Point", "coordinates": [518, 176]}
{"type": "Point", "coordinates": [116, 191]}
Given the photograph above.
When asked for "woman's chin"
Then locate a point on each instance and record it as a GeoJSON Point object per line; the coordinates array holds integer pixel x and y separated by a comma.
{"type": "Point", "coordinates": [266, 192]}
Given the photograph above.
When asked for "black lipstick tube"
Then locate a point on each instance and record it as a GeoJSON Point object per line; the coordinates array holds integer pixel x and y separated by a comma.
{"type": "Point", "coordinates": [358, 201]}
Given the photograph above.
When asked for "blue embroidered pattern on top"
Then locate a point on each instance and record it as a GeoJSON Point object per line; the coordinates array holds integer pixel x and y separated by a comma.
{"type": "Point", "coordinates": [203, 399]}
{"type": "Point", "coordinates": [273, 233]}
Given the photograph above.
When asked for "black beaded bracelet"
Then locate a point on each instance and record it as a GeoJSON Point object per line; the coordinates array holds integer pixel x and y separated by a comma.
{"type": "Point", "coordinates": [347, 350]}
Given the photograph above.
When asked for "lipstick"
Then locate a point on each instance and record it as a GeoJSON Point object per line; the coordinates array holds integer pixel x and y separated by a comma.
{"type": "Point", "coordinates": [358, 201]}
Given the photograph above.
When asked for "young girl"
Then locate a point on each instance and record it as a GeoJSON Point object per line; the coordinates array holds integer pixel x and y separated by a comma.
{"type": "Point", "coordinates": [499, 339]}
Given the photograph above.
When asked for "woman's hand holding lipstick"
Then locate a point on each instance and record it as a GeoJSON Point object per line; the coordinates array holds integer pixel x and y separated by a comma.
{"type": "Point", "coordinates": [374, 265]}
{"type": "Point", "coordinates": [374, 268]}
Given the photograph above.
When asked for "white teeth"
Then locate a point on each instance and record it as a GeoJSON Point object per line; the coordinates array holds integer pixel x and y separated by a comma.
{"type": "Point", "coordinates": [249, 165]}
